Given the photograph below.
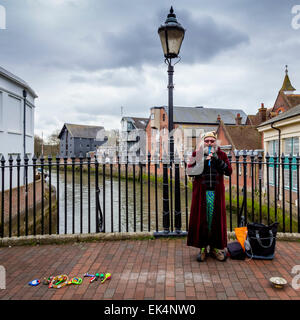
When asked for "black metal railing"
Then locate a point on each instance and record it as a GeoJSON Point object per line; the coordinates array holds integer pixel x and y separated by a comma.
{"type": "Point", "coordinates": [67, 196]}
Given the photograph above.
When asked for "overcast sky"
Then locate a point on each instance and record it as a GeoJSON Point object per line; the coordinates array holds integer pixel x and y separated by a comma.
{"type": "Point", "coordinates": [88, 58]}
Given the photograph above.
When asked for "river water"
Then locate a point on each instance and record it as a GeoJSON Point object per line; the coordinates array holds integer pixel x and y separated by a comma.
{"type": "Point", "coordinates": [111, 209]}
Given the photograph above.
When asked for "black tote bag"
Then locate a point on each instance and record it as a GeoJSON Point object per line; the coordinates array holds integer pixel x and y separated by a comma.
{"type": "Point", "coordinates": [261, 240]}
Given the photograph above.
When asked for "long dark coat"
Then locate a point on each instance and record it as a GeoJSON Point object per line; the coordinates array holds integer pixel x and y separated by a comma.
{"type": "Point", "coordinates": [198, 235]}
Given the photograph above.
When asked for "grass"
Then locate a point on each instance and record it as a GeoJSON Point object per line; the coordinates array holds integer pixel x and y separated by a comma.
{"type": "Point", "coordinates": [264, 213]}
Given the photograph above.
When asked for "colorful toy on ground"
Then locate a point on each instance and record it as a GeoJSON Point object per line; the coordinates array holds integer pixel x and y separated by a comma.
{"type": "Point", "coordinates": [46, 281]}
{"type": "Point", "coordinates": [34, 282]}
{"type": "Point", "coordinates": [102, 276]}
{"type": "Point", "coordinates": [59, 281]}
{"type": "Point", "coordinates": [106, 277]}
{"type": "Point", "coordinates": [95, 278]}
{"type": "Point", "coordinates": [88, 275]}
{"type": "Point", "coordinates": [75, 280]}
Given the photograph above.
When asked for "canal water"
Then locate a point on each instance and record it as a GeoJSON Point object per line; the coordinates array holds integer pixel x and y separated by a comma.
{"type": "Point", "coordinates": [114, 208]}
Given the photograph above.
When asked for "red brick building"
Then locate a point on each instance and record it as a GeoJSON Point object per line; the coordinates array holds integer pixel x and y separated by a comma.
{"type": "Point", "coordinates": [236, 138]}
{"type": "Point", "coordinates": [189, 124]}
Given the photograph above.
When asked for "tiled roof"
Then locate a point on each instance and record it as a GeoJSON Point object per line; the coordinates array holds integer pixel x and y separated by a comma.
{"type": "Point", "coordinates": [140, 123]}
{"type": "Point", "coordinates": [244, 137]}
{"type": "Point", "coordinates": [17, 80]}
{"type": "Point", "coordinates": [293, 99]}
{"type": "Point", "coordinates": [203, 115]}
{"type": "Point", "coordinates": [82, 131]}
{"type": "Point", "coordinates": [287, 114]}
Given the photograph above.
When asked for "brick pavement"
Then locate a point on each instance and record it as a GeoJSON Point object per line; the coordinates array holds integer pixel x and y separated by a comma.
{"type": "Point", "coordinates": [145, 269]}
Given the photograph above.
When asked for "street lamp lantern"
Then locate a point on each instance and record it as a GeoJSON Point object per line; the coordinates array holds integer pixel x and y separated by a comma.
{"type": "Point", "coordinates": [171, 36]}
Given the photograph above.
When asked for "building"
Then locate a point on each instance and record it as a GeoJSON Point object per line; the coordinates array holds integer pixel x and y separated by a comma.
{"type": "Point", "coordinates": [285, 100]}
{"type": "Point", "coordinates": [17, 107]}
{"type": "Point", "coordinates": [108, 151]}
{"type": "Point", "coordinates": [238, 138]}
{"type": "Point", "coordinates": [76, 140]}
{"type": "Point", "coordinates": [281, 135]}
{"type": "Point", "coordinates": [189, 123]}
{"type": "Point", "coordinates": [133, 137]}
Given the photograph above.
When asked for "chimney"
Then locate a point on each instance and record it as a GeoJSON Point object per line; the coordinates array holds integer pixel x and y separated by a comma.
{"type": "Point", "coordinates": [238, 120]}
{"type": "Point", "coordinates": [218, 118]}
{"type": "Point", "coordinates": [262, 113]}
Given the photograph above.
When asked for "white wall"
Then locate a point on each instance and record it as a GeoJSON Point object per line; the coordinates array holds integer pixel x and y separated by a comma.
{"type": "Point", "coordinates": [11, 127]}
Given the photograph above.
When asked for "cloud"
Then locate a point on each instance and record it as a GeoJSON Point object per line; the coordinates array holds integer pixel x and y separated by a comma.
{"type": "Point", "coordinates": [87, 58]}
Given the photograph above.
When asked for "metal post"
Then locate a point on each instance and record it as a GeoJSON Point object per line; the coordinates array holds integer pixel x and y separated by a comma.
{"type": "Point", "coordinates": [24, 127]}
{"type": "Point", "coordinates": [260, 185]}
{"type": "Point", "coordinates": [50, 193]}
{"type": "Point", "coordinates": [245, 186]}
{"type": "Point", "coordinates": [57, 191]}
{"type": "Point", "coordinates": [230, 195]}
{"type": "Point", "coordinates": [10, 161]}
{"type": "Point", "coordinates": [283, 192]}
{"type": "Point", "coordinates": [237, 157]}
{"type": "Point", "coordinates": [177, 197]}
{"type": "Point", "coordinates": [18, 188]}
{"type": "Point", "coordinates": [290, 191]}
{"type": "Point", "coordinates": [275, 185]}
{"type": "Point", "coordinates": [2, 195]}
{"type": "Point", "coordinates": [268, 185]}
{"type": "Point", "coordinates": [298, 192]}
{"type": "Point", "coordinates": [170, 110]}
{"type": "Point", "coordinates": [89, 191]}
{"type": "Point", "coordinates": [166, 210]}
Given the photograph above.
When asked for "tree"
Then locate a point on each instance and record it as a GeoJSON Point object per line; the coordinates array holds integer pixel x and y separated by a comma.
{"type": "Point", "coordinates": [38, 142]}
{"type": "Point", "coordinates": [53, 138]}
{"type": "Point", "coordinates": [52, 146]}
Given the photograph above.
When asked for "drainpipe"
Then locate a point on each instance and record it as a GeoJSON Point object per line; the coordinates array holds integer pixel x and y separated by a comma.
{"type": "Point", "coordinates": [24, 131]}
{"type": "Point", "coordinates": [24, 122]}
{"type": "Point", "coordinates": [279, 139]}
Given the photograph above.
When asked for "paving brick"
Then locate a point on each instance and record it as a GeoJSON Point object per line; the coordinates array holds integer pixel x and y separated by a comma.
{"type": "Point", "coordinates": [160, 269]}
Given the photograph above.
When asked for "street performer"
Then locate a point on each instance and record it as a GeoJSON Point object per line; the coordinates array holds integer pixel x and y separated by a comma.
{"type": "Point", "coordinates": [207, 226]}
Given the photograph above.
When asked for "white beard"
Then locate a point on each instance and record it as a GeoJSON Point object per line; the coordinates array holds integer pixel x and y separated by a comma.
{"type": "Point", "coordinates": [213, 150]}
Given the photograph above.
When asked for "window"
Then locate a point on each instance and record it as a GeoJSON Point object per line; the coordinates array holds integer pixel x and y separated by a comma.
{"type": "Point", "coordinates": [291, 146]}
{"type": "Point", "coordinates": [130, 126]}
{"type": "Point", "coordinates": [273, 146]}
{"type": "Point", "coordinates": [164, 117]}
{"type": "Point", "coordinates": [1, 110]}
{"type": "Point", "coordinates": [14, 107]}
{"type": "Point", "coordinates": [29, 120]}
{"type": "Point", "coordinates": [152, 116]}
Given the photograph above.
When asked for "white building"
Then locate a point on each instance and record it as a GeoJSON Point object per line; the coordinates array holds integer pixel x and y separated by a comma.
{"type": "Point", "coordinates": [133, 137]}
{"type": "Point", "coordinates": [16, 105]}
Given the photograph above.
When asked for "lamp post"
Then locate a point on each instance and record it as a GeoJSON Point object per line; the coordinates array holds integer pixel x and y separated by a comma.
{"type": "Point", "coordinates": [171, 35]}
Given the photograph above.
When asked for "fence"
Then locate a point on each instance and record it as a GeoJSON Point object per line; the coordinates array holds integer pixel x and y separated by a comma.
{"type": "Point", "coordinates": [86, 195]}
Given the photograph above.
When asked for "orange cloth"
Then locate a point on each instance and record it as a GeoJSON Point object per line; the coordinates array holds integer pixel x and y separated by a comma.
{"type": "Point", "coordinates": [241, 234]}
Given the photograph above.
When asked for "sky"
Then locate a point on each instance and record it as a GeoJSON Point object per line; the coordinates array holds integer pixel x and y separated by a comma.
{"type": "Point", "coordinates": [92, 61]}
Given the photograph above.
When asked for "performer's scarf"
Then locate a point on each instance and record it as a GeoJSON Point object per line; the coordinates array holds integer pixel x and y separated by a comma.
{"type": "Point", "coordinates": [210, 197]}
